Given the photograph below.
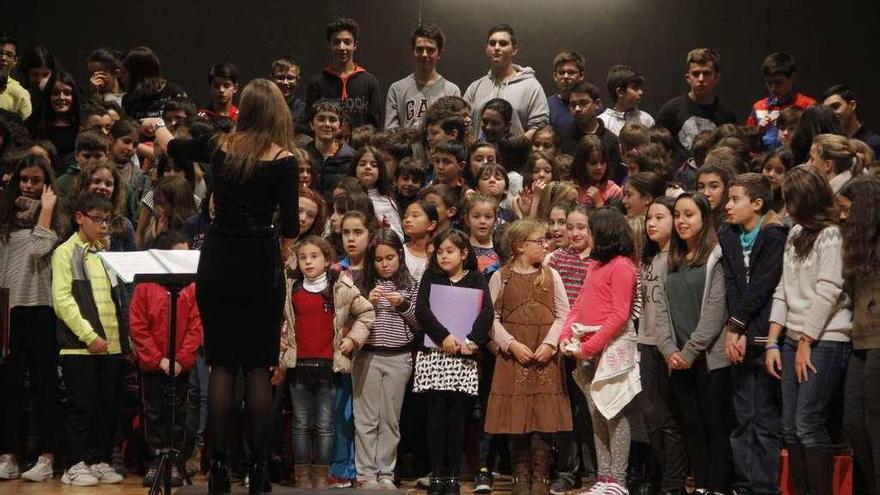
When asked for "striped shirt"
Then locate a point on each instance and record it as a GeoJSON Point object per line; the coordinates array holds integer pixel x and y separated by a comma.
{"type": "Point", "coordinates": [393, 328]}
{"type": "Point", "coordinates": [572, 269]}
{"type": "Point", "coordinates": [27, 266]}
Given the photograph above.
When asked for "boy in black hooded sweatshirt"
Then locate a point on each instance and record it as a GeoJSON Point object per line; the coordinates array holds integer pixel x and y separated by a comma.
{"type": "Point", "coordinates": [345, 80]}
{"type": "Point", "coordinates": [752, 242]}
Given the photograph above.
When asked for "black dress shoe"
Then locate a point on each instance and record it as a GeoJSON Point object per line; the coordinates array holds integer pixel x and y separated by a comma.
{"type": "Point", "coordinates": [436, 486]}
{"type": "Point", "coordinates": [452, 487]}
{"type": "Point", "coordinates": [218, 479]}
{"type": "Point", "coordinates": [258, 475]}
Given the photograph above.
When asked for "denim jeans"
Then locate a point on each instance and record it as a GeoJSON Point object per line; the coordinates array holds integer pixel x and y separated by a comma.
{"type": "Point", "coordinates": [197, 401]}
{"type": "Point", "coordinates": [342, 463]}
{"type": "Point", "coordinates": [757, 439]}
{"type": "Point", "coordinates": [806, 406]}
{"type": "Point", "coordinates": [313, 394]}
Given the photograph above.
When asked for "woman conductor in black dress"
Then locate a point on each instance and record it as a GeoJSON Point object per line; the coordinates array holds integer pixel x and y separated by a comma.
{"type": "Point", "coordinates": [240, 286]}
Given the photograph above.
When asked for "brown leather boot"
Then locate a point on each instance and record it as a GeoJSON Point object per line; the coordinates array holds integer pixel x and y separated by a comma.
{"type": "Point", "coordinates": [319, 476]}
{"type": "Point", "coordinates": [520, 454]}
{"type": "Point", "coordinates": [540, 464]}
{"type": "Point", "coordinates": [302, 476]}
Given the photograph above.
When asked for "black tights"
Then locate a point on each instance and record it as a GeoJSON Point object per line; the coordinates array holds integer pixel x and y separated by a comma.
{"type": "Point", "coordinates": [258, 396]}
{"type": "Point", "coordinates": [446, 411]}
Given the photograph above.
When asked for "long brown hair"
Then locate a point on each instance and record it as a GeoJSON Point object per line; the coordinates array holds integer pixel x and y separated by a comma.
{"type": "Point", "coordinates": [809, 201]}
{"type": "Point", "coordinates": [706, 238]}
{"type": "Point", "coordinates": [263, 120]}
{"type": "Point", "coordinates": [13, 190]}
{"type": "Point", "coordinates": [861, 230]}
{"type": "Point", "coordinates": [117, 225]}
{"type": "Point", "coordinates": [175, 193]}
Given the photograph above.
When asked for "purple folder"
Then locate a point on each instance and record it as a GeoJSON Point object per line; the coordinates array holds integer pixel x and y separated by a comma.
{"type": "Point", "coordinates": [456, 308]}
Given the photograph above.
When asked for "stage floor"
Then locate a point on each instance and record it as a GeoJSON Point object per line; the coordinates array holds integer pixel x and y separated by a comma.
{"type": "Point", "coordinates": [132, 486]}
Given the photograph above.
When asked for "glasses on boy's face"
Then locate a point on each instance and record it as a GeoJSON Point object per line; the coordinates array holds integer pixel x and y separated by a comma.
{"type": "Point", "coordinates": [98, 220]}
{"type": "Point", "coordinates": [541, 242]}
{"type": "Point", "coordinates": [7, 54]}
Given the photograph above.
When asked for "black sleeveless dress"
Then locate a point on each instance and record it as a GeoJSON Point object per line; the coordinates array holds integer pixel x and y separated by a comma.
{"type": "Point", "coordinates": [240, 284]}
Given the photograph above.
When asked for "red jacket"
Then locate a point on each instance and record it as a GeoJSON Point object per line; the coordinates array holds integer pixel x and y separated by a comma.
{"type": "Point", "coordinates": [148, 318]}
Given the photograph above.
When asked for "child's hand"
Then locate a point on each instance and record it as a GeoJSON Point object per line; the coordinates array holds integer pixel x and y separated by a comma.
{"type": "Point", "coordinates": [48, 199]}
{"type": "Point", "coordinates": [148, 125]}
{"type": "Point", "coordinates": [346, 346]}
{"type": "Point", "coordinates": [773, 363]}
{"type": "Point", "coordinates": [466, 350]}
{"type": "Point", "coordinates": [395, 298]}
{"type": "Point", "coordinates": [521, 353]}
{"type": "Point", "coordinates": [98, 346]}
{"type": "Point", "coordinates": [735, 347]}
{"type": "Point", "coordinates": [538, 186]}
{"type": "Point", "coordinates": [544, 353]}
{"type": "Point", "coordinates": [676, 362]}
{"type": "Point", "coordinates": [451, 345]}
{"type": "Point", "coordinates": [579, 354]}
{"type": "Point", "coordinates": [164, 365]}
{"type": "Point", "coordinates": [100, 79]}
{"type": "Point", "coordinates": [595, 196]}
{"type": "Point", "coordinates": [277, 375]}
{"type": "Point", "coordinates": [375, 295]}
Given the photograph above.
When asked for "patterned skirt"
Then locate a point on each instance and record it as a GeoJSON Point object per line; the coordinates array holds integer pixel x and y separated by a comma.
{"type": "Point", "coordinates": [436, 370]}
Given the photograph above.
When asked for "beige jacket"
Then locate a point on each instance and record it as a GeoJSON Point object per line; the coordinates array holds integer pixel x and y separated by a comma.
{"type": "Point", "coordinates": [353, 318]}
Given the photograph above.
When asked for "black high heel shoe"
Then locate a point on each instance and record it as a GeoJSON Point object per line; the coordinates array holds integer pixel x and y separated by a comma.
{"type": "Point", "coordinates": [218, 479]}
{"type": "Point", "coordinates": [258, 475]}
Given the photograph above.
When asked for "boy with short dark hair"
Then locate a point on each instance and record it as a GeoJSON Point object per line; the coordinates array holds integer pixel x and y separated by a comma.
{"type": "Point", "coordinates": [699, 109]}
{"type": "Point", "coordinates": [409, 98]}
{"type": "Point", "coordinates": [223, 81]}
{"type": "Point", "coordinates": [568, 68]}
{"type": "Point", "coordinates": [345, 80]}
{"type": "Point", "coordinates": [90, 144]}
{"type": "Point", "coordinates": [780, 73]}
{"type": "Point", "coordinates": [408, 179]}
{"type": "Point", "coordinates": [148, 319]}
{"type": "Point", "coordinates": [93, 337]}
{"type": "Point", "coordinates": [14, 98]}
{"type": "Point", "coordinates": [625, 88]}
{"type": "Point", "coordinates": [442, 127]}
{"type": "Point", "coordinates": [330, 155]}
{"type": "Point", "coordinates": [844, 102]}
{"type": "Point", "coordinates": [449, 159]}
{"type": "Point", "coordinates": [96, 117]}
{"type": "Point", "coordinates": [584, 100]}
{"type": "Point", "coordinates": [753, 243]}
{"type": "Point", "coordinates": [786, 123]}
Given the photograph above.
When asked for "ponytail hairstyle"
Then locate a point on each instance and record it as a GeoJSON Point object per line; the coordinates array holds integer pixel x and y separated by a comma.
{"type": "Point", "coordinates": [401, 278]}
{"type": "Point", "coordinates": [836, 148]}
{"type": "Point", "coordinates": [809, 201]}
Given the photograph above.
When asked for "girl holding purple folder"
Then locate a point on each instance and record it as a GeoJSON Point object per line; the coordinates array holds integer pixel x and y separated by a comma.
{"type": "Point", "coordinates": [445, 367]}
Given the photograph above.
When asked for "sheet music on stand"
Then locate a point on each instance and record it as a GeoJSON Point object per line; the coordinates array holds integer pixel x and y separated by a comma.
{"type": "Point", "coordinates": [151, 262]}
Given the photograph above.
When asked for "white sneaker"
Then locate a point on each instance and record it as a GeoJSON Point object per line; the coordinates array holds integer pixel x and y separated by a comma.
{"type": "Point", "coordinates": [8, 467]}
{"type": "Point", "coordinates": [597, 489]}
{"type": "Point", "coordinates": [614, 488]}
{"type": "Point", "coordinates": [371, 484]}
{"type": "Point", "coordinates": [42, 470]}
{"type": "Point", "coordinates": [105, 474]}
{"type": "Point", "coordinates": [79, 475]}
{"type": "Point", "coordinates": [387, 484]}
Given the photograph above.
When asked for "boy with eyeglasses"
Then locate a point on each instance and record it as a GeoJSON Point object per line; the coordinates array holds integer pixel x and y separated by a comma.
{"type": "Point", "coordinates": [568, 69]}
{"type": "Point", "coordinates": [93, 338]}
{"type": "Point", "coordinates": [13, 97]}
{"type": "Point", "coordinates": [286, 73]}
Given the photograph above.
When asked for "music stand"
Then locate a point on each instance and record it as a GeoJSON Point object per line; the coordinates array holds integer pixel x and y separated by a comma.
{"type": "Point", "coordinates": [170, 454]}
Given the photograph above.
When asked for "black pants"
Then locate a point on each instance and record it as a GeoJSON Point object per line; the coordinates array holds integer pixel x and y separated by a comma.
{"type": "Point", "coordinates": [660, 412]}
{"type": "Point", "coordinates": [155, 396]}
{"type": "Point", "coordinates": [94, 393]}
{"type": "Point", "coordinates": [862, 416]}
{"type": "Point", "coordinates": [704, 404]}
{"type": "Point", "coordinates": [32, 348]}
{"type": "Point", "coordinates": [446, 412]}
{"type": "Point", "coordinates": [574, 449]}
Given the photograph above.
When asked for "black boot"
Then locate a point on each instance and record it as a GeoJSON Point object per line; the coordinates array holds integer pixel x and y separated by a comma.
{"type": "Point", "coordinates": [218, 478]}
{"type": "Point", "coordinates": [797, 466]}
{"type": "Point", "coordinates": [258, 475]}
{"type": "Point", "coordinates": [820, 470]}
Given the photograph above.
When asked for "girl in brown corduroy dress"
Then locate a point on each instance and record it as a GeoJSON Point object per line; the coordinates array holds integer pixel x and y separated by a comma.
{"type": "Point", "coordinates": [528, 399]}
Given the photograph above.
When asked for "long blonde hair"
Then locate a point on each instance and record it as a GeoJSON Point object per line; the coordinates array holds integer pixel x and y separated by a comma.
{"type": "Point", "coordinates": [516, 235]}
{"type": "Point", "coordinates": [263, 120]}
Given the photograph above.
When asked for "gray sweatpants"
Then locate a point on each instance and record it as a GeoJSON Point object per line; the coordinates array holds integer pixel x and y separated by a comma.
{"type": "Point", "coordinates": [612, 437]}
{"type": "Point", "coordinates": [379, 380]}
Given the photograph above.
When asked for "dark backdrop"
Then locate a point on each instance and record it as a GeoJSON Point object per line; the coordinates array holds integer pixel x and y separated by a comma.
{"type": "Point", "coordinates": [832, 41]}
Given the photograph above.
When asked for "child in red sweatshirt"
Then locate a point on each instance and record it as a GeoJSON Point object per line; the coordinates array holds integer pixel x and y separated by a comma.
{"type": "Point", "coordinates": [599, 333]}
{"type": "Point", "coordinates": [148, 321]}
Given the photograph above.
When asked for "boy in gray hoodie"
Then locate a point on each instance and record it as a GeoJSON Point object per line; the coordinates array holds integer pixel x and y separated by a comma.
{"type": "Point", "coordinates": [514, 83]}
